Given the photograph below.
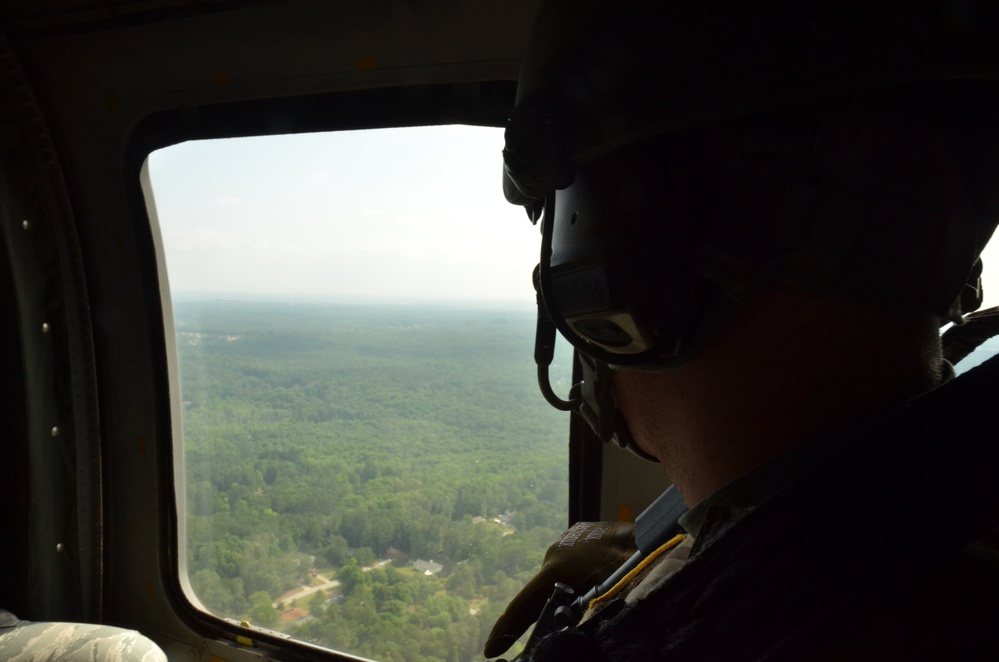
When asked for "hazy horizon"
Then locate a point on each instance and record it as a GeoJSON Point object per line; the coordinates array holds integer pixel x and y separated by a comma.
{"type": "Point", "coordinates": [396, 214]}
{"type": "Point", "coordinates": [387, 215]}
{"type": "Point", "coordinates": [333, 300]}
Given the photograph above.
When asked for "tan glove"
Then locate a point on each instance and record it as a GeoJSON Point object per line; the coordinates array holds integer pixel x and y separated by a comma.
{"type": "Point", "coordinates": [583, 556]}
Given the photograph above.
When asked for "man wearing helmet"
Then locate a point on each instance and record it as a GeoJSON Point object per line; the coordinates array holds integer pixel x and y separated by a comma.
{"type": "Point", "coordinates": [754, 225]}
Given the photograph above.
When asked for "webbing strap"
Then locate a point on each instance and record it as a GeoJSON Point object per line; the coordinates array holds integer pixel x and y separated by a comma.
{"type": "Point", "coordinates": [961, 340]}
{"type": "Point", "coordinates": [619, 586]}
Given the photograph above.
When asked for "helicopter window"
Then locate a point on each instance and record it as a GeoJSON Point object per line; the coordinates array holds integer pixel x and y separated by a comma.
{"type": "Point", "coordinates": [368, 465]}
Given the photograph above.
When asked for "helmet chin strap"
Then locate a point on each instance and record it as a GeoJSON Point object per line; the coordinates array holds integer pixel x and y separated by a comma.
{"type": "Point", "coordinates": [593, 398]}
{"type": "Point", "coordinates": [599, 406]}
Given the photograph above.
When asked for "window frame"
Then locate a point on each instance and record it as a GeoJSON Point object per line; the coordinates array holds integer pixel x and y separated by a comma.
{"type": "Point", "coordinates": [477, 103]}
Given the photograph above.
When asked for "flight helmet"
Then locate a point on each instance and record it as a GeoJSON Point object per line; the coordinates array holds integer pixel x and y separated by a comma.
{"type": "Point", "coordinates": [681, 153]}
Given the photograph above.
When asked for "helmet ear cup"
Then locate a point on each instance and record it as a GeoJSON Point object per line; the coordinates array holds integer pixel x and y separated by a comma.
{"type": "Point", "coordinates": [656, 243]}
{"type": "Point", "coordinates": [616, 275]}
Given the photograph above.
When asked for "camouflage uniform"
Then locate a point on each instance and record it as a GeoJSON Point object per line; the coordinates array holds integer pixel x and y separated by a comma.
{"type": "Point", "coordinates": [23, 641]}
{"type": "Point", "coordinates": [702, 524]}
{"type": "Point", "coordinates": [857, 549]}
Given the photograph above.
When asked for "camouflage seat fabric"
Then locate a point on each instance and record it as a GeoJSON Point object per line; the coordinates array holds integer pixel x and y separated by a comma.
{"type": "Point", "coordinates": [23, 641]}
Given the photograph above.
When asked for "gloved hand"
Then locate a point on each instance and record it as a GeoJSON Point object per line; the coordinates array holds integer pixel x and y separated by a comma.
{"type": "Point", "coordinates": [583, 556]}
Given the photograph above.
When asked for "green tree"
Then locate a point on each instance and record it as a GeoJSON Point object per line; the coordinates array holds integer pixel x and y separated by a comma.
{"type": "Point", "coordinates": [262, 612]}
{"type": "Point", "coordinates": [351, 576]}
{"type": "Point", "coordinates": [317, 602]}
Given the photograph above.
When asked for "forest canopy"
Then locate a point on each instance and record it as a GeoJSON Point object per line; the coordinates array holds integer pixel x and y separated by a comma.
{"type": "Point", "coordinates": [379, 480]}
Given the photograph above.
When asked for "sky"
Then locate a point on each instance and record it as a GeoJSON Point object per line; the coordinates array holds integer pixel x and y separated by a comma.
{"type": "Point", "coordinates": [394, 215]}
